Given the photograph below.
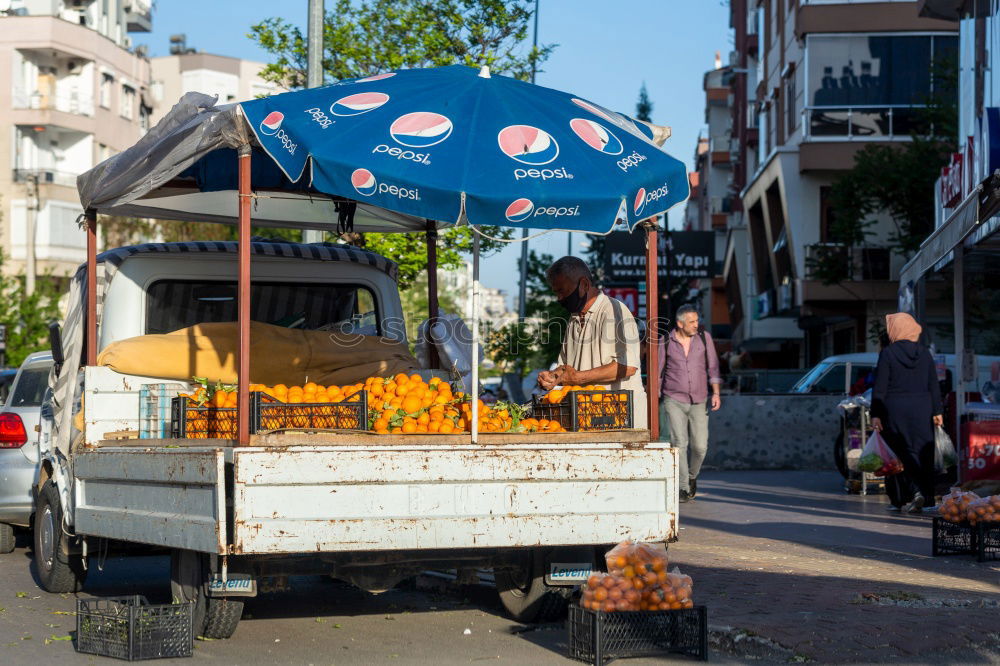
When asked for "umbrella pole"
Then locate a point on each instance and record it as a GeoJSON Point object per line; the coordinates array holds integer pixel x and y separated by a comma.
{"type": "Point", "coordinates": [475, 337]}
{"type": "Point", "coordinates": [652, 333]}
{"type": "Point", "coordinates": [243, 373]}
{"type": "Point", "coordinates": [432, 291]}
{"type": "Point", "coordinates": [91, 330]}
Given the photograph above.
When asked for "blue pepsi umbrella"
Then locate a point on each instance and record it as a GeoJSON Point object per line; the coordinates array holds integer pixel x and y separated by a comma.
{"type": "Point", "coordinates": [451, 144]}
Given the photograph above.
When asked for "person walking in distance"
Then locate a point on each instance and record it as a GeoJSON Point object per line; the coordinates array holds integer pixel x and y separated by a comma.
{"type": "Point", "coordinates": [690, 366]}
{"type": "Point", "coordinates": [906, 406]}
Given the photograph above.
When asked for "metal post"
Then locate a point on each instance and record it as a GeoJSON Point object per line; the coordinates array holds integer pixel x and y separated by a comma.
{"type": "Point", "coordinates": [33, 207]}
{"type": "Point", "coordinates": [522, 295]}
{"type": "Point", "coordinates": [432, 289]}
{"type": "Point", "coordinates": [314, 77]}
{"type": "Point", "coordinates": [474, 397]}
{"type": "Point", "coordinates": [91, 217]}
{"type": "Point", "coordinates": [958, 303]}
{"type": "Point", "coordinates": [652, 334]}
{"type": "Point", "coordinates": [243, 373]}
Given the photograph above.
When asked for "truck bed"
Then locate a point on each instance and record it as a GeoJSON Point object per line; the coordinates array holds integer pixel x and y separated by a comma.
{"type": "Point", "coordinates": [307, 493]}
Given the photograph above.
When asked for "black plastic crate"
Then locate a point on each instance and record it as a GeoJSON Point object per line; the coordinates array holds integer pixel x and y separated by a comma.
{"type": "Point", "coordinates": [587, 410]}
{"type": "Point", "coordinates": [598, 637]}
{"type": "Point", "coordinates": [266, 413]}
{"type": "Point", "coordinates": [987, 541]}
{"type": "Point", "coordinates": [953, 538]}
{"type": "Point", "coordinates": [131, 628]}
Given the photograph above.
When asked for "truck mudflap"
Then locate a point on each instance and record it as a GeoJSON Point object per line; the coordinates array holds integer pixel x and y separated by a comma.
{"type": "Point", "coordinates": [424, 496]}
{"type": "Point", "coordinates": [175, 499]}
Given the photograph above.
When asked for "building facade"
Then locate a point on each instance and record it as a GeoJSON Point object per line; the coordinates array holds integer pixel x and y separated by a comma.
{"type": "Point", "coordinates": [814, 81]}
{"type": "Point", "coordinates": [230, 79]}
{"type": "Point", "coordinates": [73, 93]}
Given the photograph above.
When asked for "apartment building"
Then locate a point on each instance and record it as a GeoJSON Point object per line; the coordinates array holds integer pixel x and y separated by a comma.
{"type": "Point", "coordinates": [73, 93]}
{"type": "Point", "coordinates": [231, 79]}
{"type": "Point", "coordinates": [814, 81]}
{"type": "Point", "coordinates": [710, 203]}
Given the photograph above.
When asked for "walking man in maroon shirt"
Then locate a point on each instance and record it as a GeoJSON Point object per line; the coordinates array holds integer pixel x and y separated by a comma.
{"type": "Point", "coordinates": [690, 365]}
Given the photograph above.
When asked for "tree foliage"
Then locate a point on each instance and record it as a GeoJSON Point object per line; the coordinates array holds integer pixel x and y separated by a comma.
{"type": "Point", "coordinates": [27, 316]}
{"type": "Point", "coordinates": [893, 179]}
{"type": "Point", "coordinates": [644, 107]}
{"type": "Point", "coordinates": [367, 37]}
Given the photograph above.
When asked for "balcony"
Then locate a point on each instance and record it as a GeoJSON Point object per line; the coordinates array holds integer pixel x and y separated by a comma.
{"type": "Point", "coordinates": [46, 177]}
{"type": "Point", "coordinates": [73, 103]}
{"type": "Point", "coordinates": [836, 262]}
{"type": "Point", "coordinates": [139, 15]}
{"type": "Point", "coordinates": [860, 123]}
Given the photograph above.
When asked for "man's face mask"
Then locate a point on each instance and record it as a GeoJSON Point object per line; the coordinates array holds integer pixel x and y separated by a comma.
{"type": "Point", "coordinates": [574, 302]}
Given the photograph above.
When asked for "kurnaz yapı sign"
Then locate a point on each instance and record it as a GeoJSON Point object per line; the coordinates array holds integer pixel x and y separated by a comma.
{"type": "Point", "coordinates": [682, 255]}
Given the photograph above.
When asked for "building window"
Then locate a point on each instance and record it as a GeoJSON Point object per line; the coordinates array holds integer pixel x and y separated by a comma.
{"type": "Point", "coordinates": [128, 102]}
{"type": "Point", "coordinates": [791, 112]}
{"type": "Point", "coordinates": [107, 84]}
{"type": "Point", "coordinates": [869, 85]}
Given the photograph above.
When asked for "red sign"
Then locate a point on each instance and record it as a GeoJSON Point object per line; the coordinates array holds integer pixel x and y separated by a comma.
{"type": "Point", "coordinates": [952, 182]}
{"type": "Point", "coordinates": [981, 457]}
{"type": "Point", "coordinates": [628, 296]}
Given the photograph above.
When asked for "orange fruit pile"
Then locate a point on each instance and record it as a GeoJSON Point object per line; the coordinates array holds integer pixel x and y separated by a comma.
{"type": "Point", "coordinates": [541, 425]}
{"type": "Point", "coordinates": [986, 510]}
{"type": "Point", "coordinates": [955, 505]}
{"type": "Point", "coordinates": [557, 395]}
{"type": "Point", "coordinates": [637, 581]}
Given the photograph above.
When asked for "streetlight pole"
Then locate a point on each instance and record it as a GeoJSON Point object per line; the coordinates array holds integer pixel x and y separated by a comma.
{"type": "Point", "coordinates": [314, 77]}
{"type": "Point", "coordinates": [32, 209]}
{"type": "Point", "coordinates": [523, 291]}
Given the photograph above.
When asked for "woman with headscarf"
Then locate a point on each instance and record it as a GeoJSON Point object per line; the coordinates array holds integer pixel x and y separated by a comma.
{"type": "Point", "coordinates": [906, 405]}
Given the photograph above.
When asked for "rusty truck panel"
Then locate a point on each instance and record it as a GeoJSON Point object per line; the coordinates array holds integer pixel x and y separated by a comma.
{"type": "Point", "coordinates": [173, 498]}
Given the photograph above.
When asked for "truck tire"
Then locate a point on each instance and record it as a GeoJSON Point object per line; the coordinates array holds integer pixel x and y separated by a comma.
{"type": "Point", "coordinates": [840, 457]}
{"type": "Point", "coordinates": [58, 570]}
{"type": "Point", "coordinates": [525, 595]}
{"type": "Point", "coordinates": [7, 538]}
{"type": "Point", "coordinates": [211, 617]}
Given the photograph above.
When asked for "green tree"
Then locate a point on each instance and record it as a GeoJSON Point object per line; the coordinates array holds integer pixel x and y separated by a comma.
{"type": "Point", "coordinates": [27, 316]}
{"type": "Point", "coordinates": [644, 107]}
{"type": "Point", "coordinates": [367, 37]}
{"type": "Point", "coordinates": [896, 180]}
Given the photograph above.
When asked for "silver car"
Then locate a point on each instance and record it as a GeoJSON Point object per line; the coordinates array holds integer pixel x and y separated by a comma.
{"type": "Point", "coordinates": [19, 418]}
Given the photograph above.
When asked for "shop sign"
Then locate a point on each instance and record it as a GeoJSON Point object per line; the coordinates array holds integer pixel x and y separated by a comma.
{"type": "Point", "coordinates": [684, 254]}
{"type": "Point", "coordinates": [952, 181]}
{"type": "Point", "coordinates": [628, 296]}
{"type": "Point", "coordinates": [982, 457]}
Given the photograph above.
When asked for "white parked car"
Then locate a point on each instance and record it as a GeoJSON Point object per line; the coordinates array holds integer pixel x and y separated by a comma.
{"type": "Point", "coordinates": [19, 418]}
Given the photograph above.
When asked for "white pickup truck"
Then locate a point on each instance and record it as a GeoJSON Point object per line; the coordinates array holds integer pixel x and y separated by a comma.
{"type": "Point", "coordinates": [537, 509]}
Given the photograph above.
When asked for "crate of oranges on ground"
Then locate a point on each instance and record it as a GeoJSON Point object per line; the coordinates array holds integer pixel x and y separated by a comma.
{"type": "Point", "coordinates": [952, 534]}
{"type": "Point", "coordinates": [591, 407]}
{"type": "Point", "coordinates": [984, 518]}
{"type": "Point", "coordinates": [210, 412]}
{"type": "Point", "coordinates": [637, 609]}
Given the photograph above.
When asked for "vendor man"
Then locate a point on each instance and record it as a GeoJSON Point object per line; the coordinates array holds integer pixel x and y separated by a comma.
{"type": "Point", "coordinates": [601, 345]}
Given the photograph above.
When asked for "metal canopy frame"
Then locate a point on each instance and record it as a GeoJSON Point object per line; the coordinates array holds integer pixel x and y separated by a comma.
{"type": "Point", "coordinates": [245, 202]}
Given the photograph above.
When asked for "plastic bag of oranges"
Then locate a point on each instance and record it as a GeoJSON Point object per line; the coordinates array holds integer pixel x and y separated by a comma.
{"type": "Point", "coordinates": [610, 592]}
{"type": "Point", "coordinates": [634, 558]}
{"type": "Point", "coordinates": [954, 506]}
{"type": "Point", "coordinates": [984, 509]}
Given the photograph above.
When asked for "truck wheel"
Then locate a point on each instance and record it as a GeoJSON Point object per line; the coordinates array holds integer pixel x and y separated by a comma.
{"type": "Point", "coordinates": [211, 617]}
{"type": "Point", "coordinates": [840, 457]}
{"type": "Point", "coordinates": [7, 539]}
{"type": "Point", "coordinates": [525, 595]}
{"type": "Point", "coordinates": [58, 569]}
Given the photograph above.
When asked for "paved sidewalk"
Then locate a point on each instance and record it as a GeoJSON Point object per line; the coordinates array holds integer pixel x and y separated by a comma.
{"type": "Point", "coordinates": [787, 560]}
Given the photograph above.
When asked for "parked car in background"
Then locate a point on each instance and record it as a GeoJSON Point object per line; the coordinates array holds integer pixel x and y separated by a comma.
{"type": "Point", "coordinates": [7, 376]}
{"type": "Point", "coordinates": [19, 418]}
{"type": "Point", "coordinates": [853, 374]}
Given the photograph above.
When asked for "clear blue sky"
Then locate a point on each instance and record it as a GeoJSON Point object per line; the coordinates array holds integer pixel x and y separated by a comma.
{"type": "Point", "coordinates": [605, 51]}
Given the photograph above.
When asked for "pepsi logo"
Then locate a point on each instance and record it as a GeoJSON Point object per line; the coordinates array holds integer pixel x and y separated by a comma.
{"type": "Point", "coordinates": [527, 144]}
{"type": "Point", "coordinates": [272, 123]}
{"type": "Point", "coordinates": [520, 210]}
{"type": "Point", "coordinates": [596, 136]}
{"type": "Point", "coordinates": [364, 182]}
{"type": "Point", "coordinates": [377, 77]}
{"type": "Point", "coordinates": [355, 105]}
{"type": "Point", "coordinates": [640, 201]}
{"type": "Point", "coordinates": [420, 129]}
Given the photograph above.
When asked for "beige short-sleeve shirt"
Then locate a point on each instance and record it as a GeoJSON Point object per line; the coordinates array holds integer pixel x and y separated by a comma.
{"type": "Point", "coordinates": [607, 332]}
